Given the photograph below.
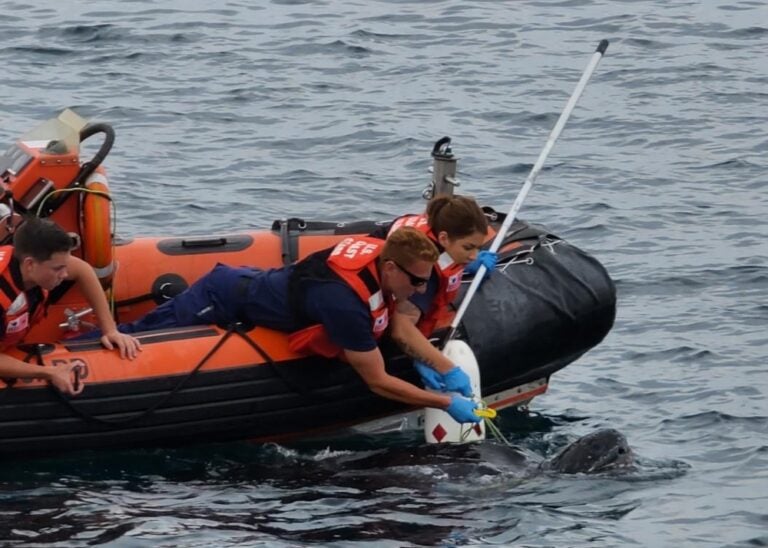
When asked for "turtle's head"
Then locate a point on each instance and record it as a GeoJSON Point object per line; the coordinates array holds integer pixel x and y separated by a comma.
{"type": "Point", "coordinates": [599, 451]}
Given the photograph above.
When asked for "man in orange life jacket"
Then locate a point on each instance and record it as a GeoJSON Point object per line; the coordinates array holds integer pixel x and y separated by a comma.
{"type": "Point", "coordinates": [38, 261]}
{"type": "Point", "coordinates": [336, 302]}
{"type": "Point", "coordinates": [458, 227]}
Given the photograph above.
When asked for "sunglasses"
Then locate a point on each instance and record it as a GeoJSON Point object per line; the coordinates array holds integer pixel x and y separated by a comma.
{"type": "Point", "coordinates": [416, 281]}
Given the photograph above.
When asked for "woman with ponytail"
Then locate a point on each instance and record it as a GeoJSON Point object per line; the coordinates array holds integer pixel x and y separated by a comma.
{"type": "Point", "coordinates": [458, 227]}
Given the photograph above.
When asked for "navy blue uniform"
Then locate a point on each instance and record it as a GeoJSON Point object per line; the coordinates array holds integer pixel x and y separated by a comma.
{"type": "Point", "coordinates": [260, 297]}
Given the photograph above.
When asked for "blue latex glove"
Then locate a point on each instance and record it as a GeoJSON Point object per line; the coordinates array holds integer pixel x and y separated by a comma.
{"type": "Point", "coordinates": [456, 380]}
{"type": "Point", "coordinates": [462, 410]}
{"type": "Point", "coordinates": [430, 377]}
{"type": "Point", "coordinates": [486, 258]}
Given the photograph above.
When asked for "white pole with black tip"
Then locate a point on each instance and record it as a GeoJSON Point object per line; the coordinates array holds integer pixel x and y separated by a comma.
{"type": "Point", "coordinates": [439, 427]}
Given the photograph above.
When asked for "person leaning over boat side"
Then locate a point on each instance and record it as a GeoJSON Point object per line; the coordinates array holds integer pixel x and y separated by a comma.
{"type": "Point", "coordinates": [336, 303]}
{"type": "Point", "coordinates": [38, 261]}
{"type": "Point", "coordinates": [458, 227]}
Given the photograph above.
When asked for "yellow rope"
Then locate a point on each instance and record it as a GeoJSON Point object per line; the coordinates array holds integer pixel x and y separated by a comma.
{"type": "Point", "coordinates": [488, 414]}
{"type": "Point", "coordinates": [489, 424]}
{"type": "Point", "coordinates": [78, 189]}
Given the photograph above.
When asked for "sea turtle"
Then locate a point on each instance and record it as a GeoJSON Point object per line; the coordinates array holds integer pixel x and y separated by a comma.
{"type": "Point", "coordinates": [603, 451]}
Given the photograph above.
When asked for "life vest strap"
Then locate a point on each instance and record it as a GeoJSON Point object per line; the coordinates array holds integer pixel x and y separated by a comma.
{"type": "Point", "coordinates": [9, 291]}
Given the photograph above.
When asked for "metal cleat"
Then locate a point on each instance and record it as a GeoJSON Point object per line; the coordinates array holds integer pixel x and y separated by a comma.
{"type": "Point", "coordinates": [74, 321]}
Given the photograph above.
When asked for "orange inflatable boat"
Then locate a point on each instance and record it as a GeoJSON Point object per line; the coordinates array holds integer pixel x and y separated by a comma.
{"type": "Point", "coordinates": [546, 305]}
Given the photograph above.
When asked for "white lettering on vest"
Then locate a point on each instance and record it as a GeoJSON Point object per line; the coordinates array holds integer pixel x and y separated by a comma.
{"type": "Point", "coordinates": [341, 245]}
{"type": "Point", "coordinates": [415, 222]}
{"type": "Point", "coordinates": [359, 248]}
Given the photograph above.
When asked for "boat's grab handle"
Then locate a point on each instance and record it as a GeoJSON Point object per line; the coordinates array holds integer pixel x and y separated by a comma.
{"type": "Point", "coordinates": [208, 242]}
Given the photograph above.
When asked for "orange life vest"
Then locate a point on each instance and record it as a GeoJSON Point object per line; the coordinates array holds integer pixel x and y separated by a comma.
{"type": "Point", "coordinates": [448, 276]}
{"type": "Point", "coordinates": [14, 301]}
{"type": "Point", "coordinates": [354, 261]}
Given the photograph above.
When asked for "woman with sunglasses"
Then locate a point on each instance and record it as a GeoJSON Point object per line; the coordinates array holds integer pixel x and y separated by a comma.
{"type": "Point", "coordinates": [458, 228]}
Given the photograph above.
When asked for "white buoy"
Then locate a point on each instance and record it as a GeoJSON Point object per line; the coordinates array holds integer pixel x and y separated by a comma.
{"type": "Point", "coordinates": [439, 427]}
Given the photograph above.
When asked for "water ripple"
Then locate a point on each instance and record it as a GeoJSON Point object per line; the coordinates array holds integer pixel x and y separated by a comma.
{"type": "Point", "coordinates": [231, 116]}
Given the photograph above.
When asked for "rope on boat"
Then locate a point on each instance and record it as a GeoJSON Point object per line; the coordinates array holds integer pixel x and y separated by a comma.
{"type": "Point", "coordinates": [130, 420]}
{"type": "Point", "coordinates": [70, 190]}
{"type": "Point", "coordinates": [235, 329]}
{"type": "Point", "coordinates": [487, 413]}
{"type": "Point", "coordinates": [279, 372]}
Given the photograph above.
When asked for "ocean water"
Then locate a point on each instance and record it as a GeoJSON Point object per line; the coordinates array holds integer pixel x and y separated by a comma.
{"type": "Point", "coordinates": [232, 114]}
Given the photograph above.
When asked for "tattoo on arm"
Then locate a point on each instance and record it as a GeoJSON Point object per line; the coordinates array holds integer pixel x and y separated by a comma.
{"type": "Point", "coordinates": [411, 352]}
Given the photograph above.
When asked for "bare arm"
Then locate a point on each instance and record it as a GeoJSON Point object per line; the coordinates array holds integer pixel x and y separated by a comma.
{"type": "Point", "coordinates": [61, 376]}
{"type": "Point", "coordinates": [415, 344]}
{"type": "Point", "coordinates": [409, 310]}
{"type": "Point", "coordinates": [370, 366]}
{"type": "Point", "coordinates": [81, 273]}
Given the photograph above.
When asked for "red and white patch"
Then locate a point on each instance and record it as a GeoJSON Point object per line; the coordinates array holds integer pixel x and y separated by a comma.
{"type": "Point", "coordinates": [454, 282]}
{"type": "Point", "coordinates": [381, 323]}
{"type": "Point", "coordinates": [17, 324]}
